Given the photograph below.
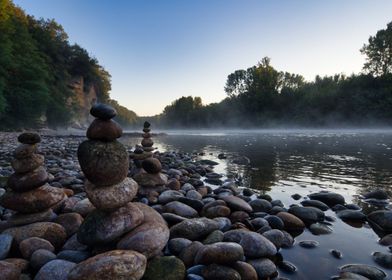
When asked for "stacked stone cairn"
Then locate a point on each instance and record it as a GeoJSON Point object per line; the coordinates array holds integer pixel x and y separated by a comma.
{"type": "Point", "coordinates": [127, 232]}
{"type": "Point", "coordinates": [148, 174]}
{"type": "Point", "coordinates": [29, 193]}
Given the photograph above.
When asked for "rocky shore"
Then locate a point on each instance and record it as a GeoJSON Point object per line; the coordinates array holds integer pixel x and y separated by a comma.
{"type": "Point", "coordinates": [77, 208]}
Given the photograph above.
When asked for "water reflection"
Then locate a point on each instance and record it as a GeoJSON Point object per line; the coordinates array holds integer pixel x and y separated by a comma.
{"type": "Point", "coordinates": [286, 163]}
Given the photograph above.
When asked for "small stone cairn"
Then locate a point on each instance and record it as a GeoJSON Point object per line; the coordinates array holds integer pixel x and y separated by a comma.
{"type": "Point", "coordinates": [149, 177]}
{"type": "Point", "coordinates": [29, 192]}
{"type": "Point", "coordinates": [128, 232]}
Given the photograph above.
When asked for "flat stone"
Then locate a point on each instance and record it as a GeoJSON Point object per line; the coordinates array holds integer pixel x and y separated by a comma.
{"type": "Point", "coordinates": [33, 201]}
{"type": "Point", "coordinates": [165, 268]}
{"type": "Point", "coordinates": [318, 229]}
{"type": "Point", "coordinates": [315, 203]}
{"type": "Point", "coordinates": [27, 164]}
{"type": "Point", "coordinates": [116, 264]}
{"type": "Point", "coordinates": [180, 209]}
{"type": "Point", "coordinates": [329, 198]}
{"type": "Point", "coordinates": [352, 215]}
{"type": "Point", "coordinates": [254, 244]}
{"type": "Point", "coordinates": [25, 219]}
{"type": "Point", "coordinates": [28, 181]}
{"type": "Point", "coordinates": [150, 180]}
{"type": "Point", "coordinates": [237, 204]}
{"type": "Point", "coordinates": [52, 232]}
{"type": "Point", "coordinates": [103, 111]}
{"type": "Point", "coordinates": [368, 271]}
{"type": "Point", "coordinates": [150, 237]}
{"type": "Point", "coordinates": [29, 138]}
{"type": "Point", "coordinates": [220, 253]}
{"type": "Point", "coordinates": [55, 270]}
{"type": "Point", "coordinates": [112, 197]}
{"type": "Point", "coordinates": [194, 229]}
{"type": "Point", "coordinates": [103, 163]}
{"type": "Point", "coordinates": [19, 263]}
{"type": "Point", "coordinates": [308, 244]}
{"type": "Point", "coordinates": [291, 222]}
{"type": "Point", "coordinates": [104, 227]}
{"type": "Point", "coordinates": [28, 246]}
{"type": "Point", "coordinates": [104, 130]}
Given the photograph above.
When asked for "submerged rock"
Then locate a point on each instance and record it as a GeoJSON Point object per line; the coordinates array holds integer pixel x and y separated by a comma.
{"type": "Point", "coordinates": [368, 271]}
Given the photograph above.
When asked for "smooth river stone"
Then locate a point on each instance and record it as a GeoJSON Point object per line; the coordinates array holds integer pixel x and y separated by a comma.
{"type": "Point", "coordinates": [104, 130]}
{"type": "Point", "coordinates": [9, 271]}
{"type": "Point", "coordinates": [381, 219]}
{"type": "Point", "coordinates": [27, 164]}
{"type": "Point", "coordinates": [29, 138]}
{"type": "Point", "coordinates": [104, 227]}
{"type": "Point", "coordinates": [25, 219]}
{"type": "Point", "coordinates": [52, 232]}
{"type": "Point", "coordinates": [264, 267]}
{"type": "Point", "coordinates": [29, 245]}
{"type": "Point", "coordinates": [291, 222]}
{"type": "Point", "coordinates": [111, 197]}
{"type": "Point", "coordinates": [150, 180]}
{"type": "Point", "coordinates": [236, 203]}
{"type": "Point", "coordinates": [194, 229]}
{"type": "Point", "coordinates": [147, 142]}
{"type": "Point", "coordinates": [254, 244]}
{"type": "Point", "coordinates": [28, 181]}
{"type": "Point", "coordinates": [215, 271]}
{"type": "Point", "coordinates": [152, 165]}
{"type": "Point", "coordinates": [116, 264]}
{"type": "Point", "coordinates": [329, 198]}
{"type": "Point", "coordinates": [55, 270]}
{"type": "Point", "coordinates": [220, 253]}
{"type": "Point", "coordinates": [33, 201]}
{"type": "Point", "coordinates": [368, 271]}
{"type": "Point", "coordinates": [180, 209]}
{"type": "Point", "coordinates": [167, 267]}
{"type": "Point", "coordinates": [103, 111]}
{"type": "Point", "coordinates": [24, 151]}
{"type": "Point", "coordinates": [103, 163]}
{"type": "Point", "coordinates": [150, 237]}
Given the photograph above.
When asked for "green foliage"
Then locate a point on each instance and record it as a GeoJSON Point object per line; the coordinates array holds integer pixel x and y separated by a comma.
{"type": "Point", "coordinates": [124, 116]}
{"type": "Point", "coordinates": [37, 64]}
{"type": "Point", "coordinates": [379, 52]}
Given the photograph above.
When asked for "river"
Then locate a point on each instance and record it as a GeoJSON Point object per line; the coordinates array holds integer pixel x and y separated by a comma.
{"type": "Point", "coordinates": [283, 163]}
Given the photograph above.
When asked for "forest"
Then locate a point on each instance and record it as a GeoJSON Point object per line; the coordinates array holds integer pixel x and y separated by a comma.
{"type": "Point", "coordinates": [37, 64]}
{"type": "Point", "coordinates": [262, 96]}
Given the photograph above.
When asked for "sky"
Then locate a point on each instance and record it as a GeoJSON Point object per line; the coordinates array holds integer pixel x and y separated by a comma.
{"type": "Point", "coordinates": [157, 51]}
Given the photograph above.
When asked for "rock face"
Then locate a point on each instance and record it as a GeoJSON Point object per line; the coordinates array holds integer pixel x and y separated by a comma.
{"type": "Point", "coordinates": [117, 264]}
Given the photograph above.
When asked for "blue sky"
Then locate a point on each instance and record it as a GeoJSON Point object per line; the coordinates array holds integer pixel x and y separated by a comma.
{"type": "Point", "coordinates": [157, 51]}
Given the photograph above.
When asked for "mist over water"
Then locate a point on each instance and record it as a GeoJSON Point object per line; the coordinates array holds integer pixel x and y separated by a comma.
{"type": "Point", "coordinates": [284, 162]}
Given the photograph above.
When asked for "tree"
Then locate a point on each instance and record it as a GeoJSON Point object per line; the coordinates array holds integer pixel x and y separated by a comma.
{"type": "Point", "coordinates": [379, 52]}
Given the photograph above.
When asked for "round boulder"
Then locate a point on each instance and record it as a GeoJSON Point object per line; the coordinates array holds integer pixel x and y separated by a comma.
{"type": "Point", "coordinates": [105, 130]}
{"type": "Point", "coordinates": [103, 163]}
{"type": "Point", "coordinates": [116, 264]}
{"type": "Point", "coordinates": [111, 197]}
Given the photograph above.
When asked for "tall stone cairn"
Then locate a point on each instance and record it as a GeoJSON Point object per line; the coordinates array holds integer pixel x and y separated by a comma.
{"type": "Point", "coordinates": [145, 150]}
{"type": "Point", "coordinates": [131, 232]}
{"type": "Point", "coordinates": [29, 191]}
{"type": "Point", "coordinates": [104, 162]}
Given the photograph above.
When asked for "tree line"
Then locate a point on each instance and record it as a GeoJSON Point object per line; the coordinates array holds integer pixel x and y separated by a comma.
{"type": "Point", "coordinates": [37, 63]}
{"type": "Point", "coordinates": [262, 96]}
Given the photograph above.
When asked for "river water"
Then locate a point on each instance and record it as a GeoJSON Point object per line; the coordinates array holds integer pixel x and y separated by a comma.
{"type": "Point", "coordinates": [282, 163]}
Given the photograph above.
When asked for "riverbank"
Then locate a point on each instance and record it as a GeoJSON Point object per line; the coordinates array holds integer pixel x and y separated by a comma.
{"type": "Point", "coordinates": [207, 215]}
